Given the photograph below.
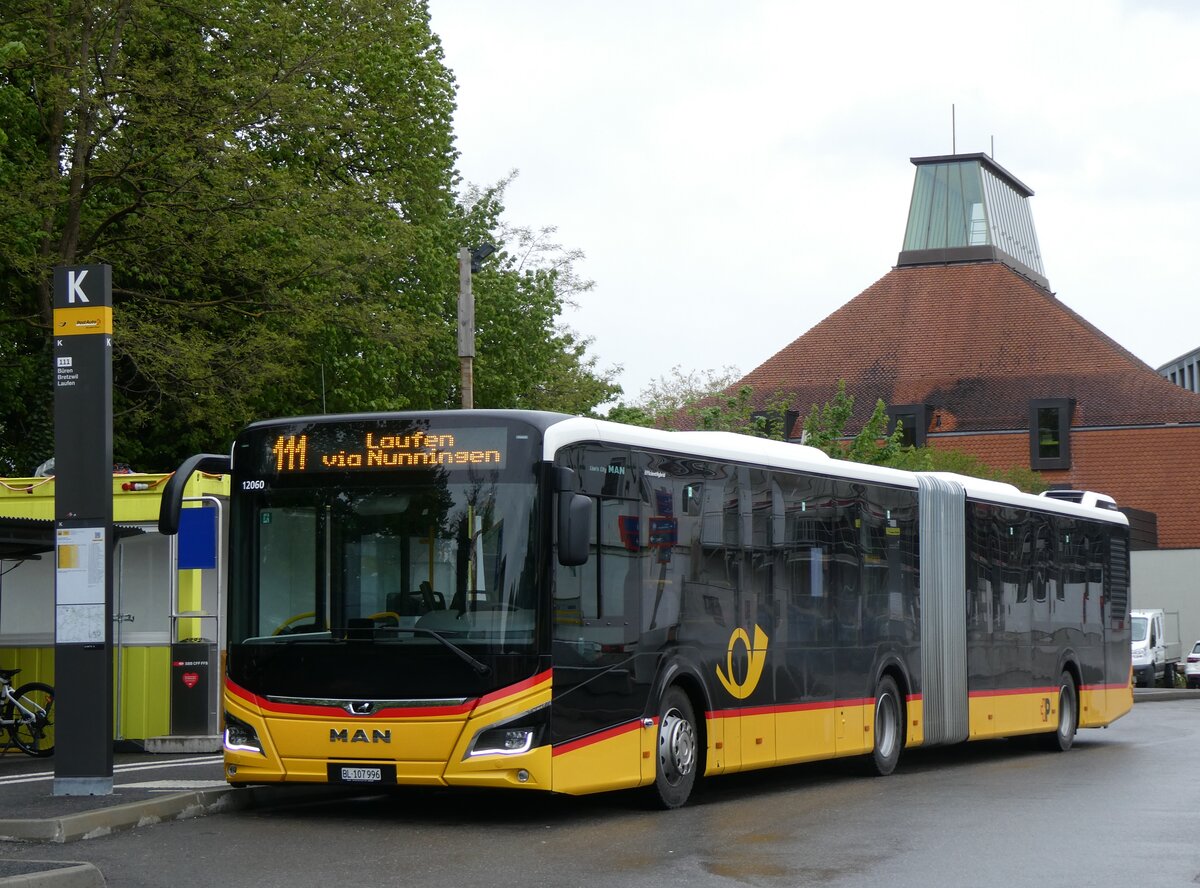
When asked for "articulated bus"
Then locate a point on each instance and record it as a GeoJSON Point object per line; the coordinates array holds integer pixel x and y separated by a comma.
{"type": "Point", "coordinates": [531, 600]}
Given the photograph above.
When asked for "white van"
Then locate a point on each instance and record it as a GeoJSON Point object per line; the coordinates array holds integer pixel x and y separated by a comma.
{"type": "Point", "coordinates": [1154, 655]}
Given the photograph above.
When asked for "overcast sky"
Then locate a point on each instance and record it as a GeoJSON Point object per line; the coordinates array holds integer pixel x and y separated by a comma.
{"type": "Point", "coordinates": [734, 172]}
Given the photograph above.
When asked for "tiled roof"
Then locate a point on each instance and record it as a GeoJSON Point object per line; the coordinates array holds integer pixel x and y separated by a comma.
{"type": "Point", "coordinates": [977, 342]}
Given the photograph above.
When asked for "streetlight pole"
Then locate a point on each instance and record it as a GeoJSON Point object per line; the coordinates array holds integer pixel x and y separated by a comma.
{"type": "Point", "coordinates": [469, 262]}
{"type": "Point", "coordinates": [466, 329]}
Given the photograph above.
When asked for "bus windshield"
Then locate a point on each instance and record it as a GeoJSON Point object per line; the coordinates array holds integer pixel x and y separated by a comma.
{"type": "Point", "coordinates": [370, 564]}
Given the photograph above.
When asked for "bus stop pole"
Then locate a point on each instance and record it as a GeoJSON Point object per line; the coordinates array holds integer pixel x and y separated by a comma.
{"type": "Point", "coordinates": [84, 547]}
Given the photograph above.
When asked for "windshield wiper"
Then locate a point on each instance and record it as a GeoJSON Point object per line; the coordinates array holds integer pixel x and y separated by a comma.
{"type": "Point", "coordinates": [481, 668]}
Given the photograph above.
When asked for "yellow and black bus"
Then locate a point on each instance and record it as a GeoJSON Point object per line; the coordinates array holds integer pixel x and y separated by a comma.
{"type": "Point", "coordinates": [531, 600]}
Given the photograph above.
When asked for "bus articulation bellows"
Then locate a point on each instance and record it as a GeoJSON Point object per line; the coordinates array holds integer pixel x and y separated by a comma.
{"type": "Point", "coordinates": [532, 600]}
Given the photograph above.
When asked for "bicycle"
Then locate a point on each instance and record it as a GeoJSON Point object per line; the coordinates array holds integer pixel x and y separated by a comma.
{"type": "Point", "coordinates": [28, 713]}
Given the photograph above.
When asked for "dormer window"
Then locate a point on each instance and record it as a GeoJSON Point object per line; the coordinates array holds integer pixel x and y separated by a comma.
{"type": "Point", "coordinates": [913, 420]}
{"type": "Point", "coordinates": [1050, 433]}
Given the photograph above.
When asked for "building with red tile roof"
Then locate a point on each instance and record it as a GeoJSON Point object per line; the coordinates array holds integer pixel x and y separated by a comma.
{"type": "Point", "coordinates": [967, 344]}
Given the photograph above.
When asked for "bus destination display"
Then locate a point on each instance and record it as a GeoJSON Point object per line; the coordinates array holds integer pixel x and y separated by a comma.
{"type": "Point", "coordinates": [344, 449]}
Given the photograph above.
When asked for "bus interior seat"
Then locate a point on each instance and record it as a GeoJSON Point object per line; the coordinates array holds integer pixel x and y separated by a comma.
{"type": "Point", "coordinates": [432, 599]}
{"type": "Point", "coordinates": [420, 601]}
{"type": "Point", "coordinates": [445, 621]}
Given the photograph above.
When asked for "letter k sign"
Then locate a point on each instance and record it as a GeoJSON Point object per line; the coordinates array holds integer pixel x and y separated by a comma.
{"type": "Point", "coordinates": [74, 286]}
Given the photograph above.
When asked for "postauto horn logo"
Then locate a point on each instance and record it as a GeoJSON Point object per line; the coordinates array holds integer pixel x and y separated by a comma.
{"type": "Point", "coordinates": [756, 658]}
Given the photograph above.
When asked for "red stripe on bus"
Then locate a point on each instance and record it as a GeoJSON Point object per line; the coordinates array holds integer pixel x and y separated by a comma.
{"type": "Point", "coordinates": [598, 737]}
{"type": "Point", "coordinates": [517, 688]}
{"type": "Point", "coordinates": [788, 707]}
{"type": "Point", "coordinates": [1012, 692]}
{"type": "Point", "coordinates": [392, 712]}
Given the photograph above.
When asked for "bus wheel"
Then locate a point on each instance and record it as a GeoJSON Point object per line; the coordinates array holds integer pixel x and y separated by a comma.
{"type": "Point", "coordinates": [889, 727]}
{"type": "Point", "coordinates": [678, 750]}
{"type": "Point", "coordinates": [1068, 710]}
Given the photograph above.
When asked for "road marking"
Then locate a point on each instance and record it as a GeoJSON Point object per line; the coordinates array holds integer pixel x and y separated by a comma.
{"type": "Point", "coordinates": [119, 769]}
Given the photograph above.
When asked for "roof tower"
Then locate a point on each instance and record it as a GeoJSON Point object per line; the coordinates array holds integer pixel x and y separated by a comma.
{"type": "Point", "coordinates": [968, 208]}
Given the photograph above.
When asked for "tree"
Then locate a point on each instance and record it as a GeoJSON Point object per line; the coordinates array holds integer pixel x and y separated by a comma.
{"type": "Point", "coordinates": [700, 397]}
{"type": "Point", "coordinates": [663, 398]}
{"type": "Point", "coordinates": [274, 188]}
{"type": "Point", "coordinates": [825, 429]}
{"type": "Point", "coordinates": [938, 459]}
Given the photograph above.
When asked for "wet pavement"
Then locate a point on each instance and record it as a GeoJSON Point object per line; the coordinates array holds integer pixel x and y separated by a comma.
{"type": "Point", "coordinates": [149, 788]}
{"type": "Point", "coordinates": [27, 785]}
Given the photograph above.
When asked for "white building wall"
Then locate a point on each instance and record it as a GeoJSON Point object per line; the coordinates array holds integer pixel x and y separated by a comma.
{"type": "Point", "coordinates": [1169, 579]}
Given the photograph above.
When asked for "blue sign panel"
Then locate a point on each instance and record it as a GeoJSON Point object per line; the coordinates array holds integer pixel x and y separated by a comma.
{"type": "Point", "coordinates": [197, 539]}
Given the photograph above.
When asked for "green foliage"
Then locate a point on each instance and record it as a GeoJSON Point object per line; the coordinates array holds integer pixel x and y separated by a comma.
{"type": "Point", "coordinates": [274, 188]}
{"type": "Point", "coordinates": [938, 459]}
{"type": "Point", "coordinates": [825, 429]}
{"type": "Point", "coordinates": [705, 400]}
{"type": "Point", "coordinates": [674, 393]}
{"type": "Point", "coordinates": [737, 413]}
{"type": "Point", "coordinates": [630, 415]}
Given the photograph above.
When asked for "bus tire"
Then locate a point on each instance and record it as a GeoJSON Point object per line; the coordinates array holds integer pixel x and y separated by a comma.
{"type": "Point", "coordinates": [1068, 715]}
{"type": "Point", "coordinates": [889, 727]}
{"type": "Point", "coordinates": [678, 752]}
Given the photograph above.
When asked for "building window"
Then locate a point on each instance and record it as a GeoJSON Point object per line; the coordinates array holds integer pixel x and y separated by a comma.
{"type": "Point", "coordinates": [1050, 433]}
{"type": "Point", "coordinates": [913, 420]}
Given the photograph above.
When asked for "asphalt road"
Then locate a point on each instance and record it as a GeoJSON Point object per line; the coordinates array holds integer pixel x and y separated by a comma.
{"type": "Point", "coordinates": [1121, 808]}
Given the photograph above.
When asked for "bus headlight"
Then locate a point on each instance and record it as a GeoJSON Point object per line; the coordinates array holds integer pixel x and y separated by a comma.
{"type": "Point", "coordinates": [512, 737]}
{"type": "Point", "coordinates": [240, 737]}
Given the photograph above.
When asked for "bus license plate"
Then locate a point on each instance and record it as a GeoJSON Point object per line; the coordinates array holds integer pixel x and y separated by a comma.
{"type": "Point", "coordinates": [362, 775]}
{"type": "Point", "coordinates": [344, 772]}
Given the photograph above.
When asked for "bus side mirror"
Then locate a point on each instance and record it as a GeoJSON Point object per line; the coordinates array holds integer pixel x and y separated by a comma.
{"type": "Point", "coordinates": [574, 519]}
{"type": "Point", "coordinates": [574, 528]}
{"type": "Point", "coordinates": [172, 497]}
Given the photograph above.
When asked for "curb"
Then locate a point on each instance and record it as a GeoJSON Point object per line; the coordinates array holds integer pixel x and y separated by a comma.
{"type": "Point", "coordinates": [177, 806]}
{"type": "Point", "coordinates": [101, 822]}
{"type": "Point", "coordinates": [1155, 695]}
{"type": "Point", "coordinates": [58, 874]}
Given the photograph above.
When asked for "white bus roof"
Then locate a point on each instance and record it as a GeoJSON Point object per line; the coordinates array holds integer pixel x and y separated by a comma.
{"type": "Point", "coordinates": [731, 447]}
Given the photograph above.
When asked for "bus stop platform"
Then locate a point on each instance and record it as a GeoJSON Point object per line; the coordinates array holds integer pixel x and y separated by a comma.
{"type": "Point", "coordinates": [146, 789]}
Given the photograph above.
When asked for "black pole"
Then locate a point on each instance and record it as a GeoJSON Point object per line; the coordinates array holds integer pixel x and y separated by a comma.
{"type": "Point", "coordinates": [84, 545]}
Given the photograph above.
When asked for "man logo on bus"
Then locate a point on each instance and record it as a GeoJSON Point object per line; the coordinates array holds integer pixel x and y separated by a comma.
{"type": "Point", "coordinates": [756, 658]}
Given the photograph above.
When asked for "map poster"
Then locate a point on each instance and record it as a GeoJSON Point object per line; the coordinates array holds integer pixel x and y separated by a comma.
{"type": "Point", "coordinates": [79, 585]}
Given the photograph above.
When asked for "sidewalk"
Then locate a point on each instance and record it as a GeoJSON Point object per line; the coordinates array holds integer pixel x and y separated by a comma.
{"type": "Point", "coordinates": [146, 789]}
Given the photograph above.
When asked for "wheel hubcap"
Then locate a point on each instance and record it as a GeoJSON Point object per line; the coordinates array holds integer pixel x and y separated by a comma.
{"type": "Point", "coordinates": [676, 747]}
{"type": "Point", "coordinates": [885, 725]}
{"type": "Point", "coordinates": [1066, 712]}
